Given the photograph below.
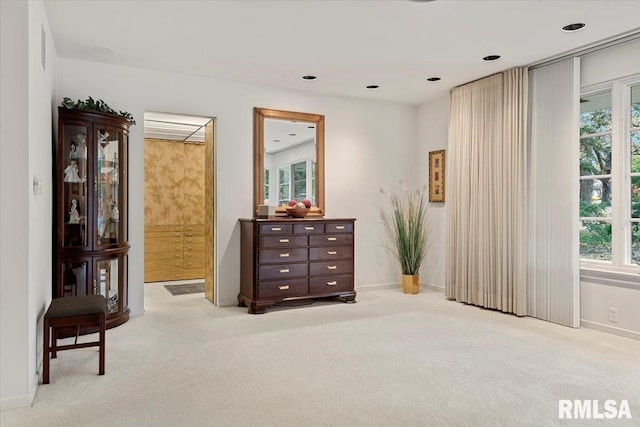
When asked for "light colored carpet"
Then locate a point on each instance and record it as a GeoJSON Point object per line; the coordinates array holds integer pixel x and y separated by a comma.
{"type": "Point", "coordinates": [389, 360]}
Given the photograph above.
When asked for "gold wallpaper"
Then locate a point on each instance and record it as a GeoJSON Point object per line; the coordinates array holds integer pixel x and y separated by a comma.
{"type": "Point", "coordinates": [173, 182]}
{"type": "Point", "coordinates": [193, 185]}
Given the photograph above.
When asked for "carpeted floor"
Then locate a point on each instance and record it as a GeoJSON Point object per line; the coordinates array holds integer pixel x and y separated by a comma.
{"type": "Point", "coordinates": [389, 360]}
{"type": "Point", "coordinates": [185, 289]}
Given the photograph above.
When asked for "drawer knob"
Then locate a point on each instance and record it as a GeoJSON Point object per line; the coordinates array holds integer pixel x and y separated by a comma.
{"type": "Point", "coordinates": [332, 252]}
{"type": "Point", "coordinates": [331, 239]}
{"type": "Point", "coordinates": [284, 255]}
{"type": "Point", "coordinates": [284, 240]}
{"type": "Point", "coordinates": [284, 270]}
{"type": "Point", "coordinates": [339, 227]}
{"type": "Point", "coordinates": [276, 229]}
{"type": "Point", "coordinates": [309, 228]}
{"type": "Point", "coordinates": [283, 287]}
{"type": "Point", "coordinates": [332, 283]}
{"type": "Point", "coordinates": [331, 267]}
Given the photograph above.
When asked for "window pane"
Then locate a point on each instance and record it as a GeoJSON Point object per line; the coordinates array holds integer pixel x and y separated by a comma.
{"type": "Point", "coordinates": [299, 180]}
{"type": "Point", "coordinates": [635, 197]}
{"type": "Point", "coordinates": [595, 198]}
{"type": "Point", "coordinates": [635, 106]}
{"type": "Point", "coordinates": [595, 240]}
{"type": "Point", "coordinates": [283, 181]}
{"type": "Point", "coordinates": [635, 242]}
{"type": "Point", "coordinates": [635, 151]}
{"type": "Point", "coordinates": [595, 155]}
{"type": "Point", "coordinates": [266, 184]}
{"type": "Point", "coordinates": [595, 113]}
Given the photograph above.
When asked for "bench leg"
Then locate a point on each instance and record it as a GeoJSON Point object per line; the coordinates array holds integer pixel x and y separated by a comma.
{"type": "Point", "coordinates": [45, 354]}
{"type": "Point", "coordinates": [54, 342]}
{"type": "Point", "coordinates": [102, 337]}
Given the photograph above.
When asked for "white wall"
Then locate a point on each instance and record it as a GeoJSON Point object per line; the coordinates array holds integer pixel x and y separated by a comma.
{"type": "Point", "coordinates": [433, 134]}
{"type": "Point", "coordinates": [25, 219]}
{"type": "Point", "coordinates": [362, 154]}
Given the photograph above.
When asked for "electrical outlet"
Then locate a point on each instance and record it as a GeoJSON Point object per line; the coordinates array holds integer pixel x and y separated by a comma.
{"type": "Point", "coordinates": [613, 315]}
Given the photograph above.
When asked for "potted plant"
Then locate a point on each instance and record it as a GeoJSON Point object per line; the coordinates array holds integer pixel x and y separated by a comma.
{"type": "Point", "coordinates": [406, 224]}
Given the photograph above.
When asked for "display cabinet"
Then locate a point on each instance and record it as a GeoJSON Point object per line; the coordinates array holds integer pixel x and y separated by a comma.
{"type": "Point", "coordinates": [90, 217]}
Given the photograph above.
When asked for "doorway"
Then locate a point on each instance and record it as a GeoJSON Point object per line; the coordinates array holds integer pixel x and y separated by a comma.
{"type": "Point", "coordinates": [179, 182]}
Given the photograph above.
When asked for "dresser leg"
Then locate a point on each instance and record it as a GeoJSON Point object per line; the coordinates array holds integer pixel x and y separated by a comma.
{"type": "Point", "coordinates": [258, 308]}
{"type": "Point", "coordinates": [349, 299]}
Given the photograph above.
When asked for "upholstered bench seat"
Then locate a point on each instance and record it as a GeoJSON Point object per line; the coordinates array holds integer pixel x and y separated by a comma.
{"type": "Point", "coordinates": [88, 310]}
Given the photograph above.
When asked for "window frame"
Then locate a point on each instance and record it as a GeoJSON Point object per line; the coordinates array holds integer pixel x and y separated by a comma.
{"type": "Point", "coordinates": [620, 176]}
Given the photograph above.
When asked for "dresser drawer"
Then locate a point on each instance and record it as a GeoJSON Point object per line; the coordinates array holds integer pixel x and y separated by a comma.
{"type": "Point", "coordinates": [280, 289]}
{"type": "Point", "coordinates": [277, 271]}
{"type": "Point", "coordinates": [335, 227]}
{"type": "Point", "coordinates": [331, 239]}
{"type": "Point", "coordinates": [323, 285]}
{"type": "Point", "coordinates": [163, 275]}
{"type": "Point", "coordinates": [162, 228]}
{"type": "Point", "coordinates": [193, 273]}
{"type": "Point", "coordinates": [163, 240]}
{"type": "Point", "coordinates": [162, 247]}
{"type": "Point", "coordinates": [194, 230]}
{"type": "Point", "coordinates": [308, 228]}
{"type": "Point", "coordinates": [193, 255]}
{"type": "Point", "coordinates": [194, 246]}
{"type": "Point", "coordinates": [199, 240]}
{"type": "Point", "coordinates": [330, 252]}
{"type": "Point", "coordinates": [148, 235]}
{"type": "Point", "coordinates": [162, 264]}
{"type": "Point", "coordinates": [330, 267]}
{"type": "Point", "coordinates": [281, 241]}
{"type": "Point", "coordinates": [282, 255]}
{"type": "Point", "coordinates": [274, 228]}
{"type": "Point", "coordinates": [193, 263]}
{"type": "Point", "coordinates": [167, 256]}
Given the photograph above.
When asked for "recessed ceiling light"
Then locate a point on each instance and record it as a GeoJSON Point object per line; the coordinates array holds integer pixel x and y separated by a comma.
{"type": "Point", "coordinates": [433, 79]}
{"type": "Point", "coordinates": [491, 57]}
{"type": "Point", "coordinates": [309, 78]}
{"type": "Point", "coordinates": [573, 27]}
{"type": "Point", "coordinates": [373, 87]}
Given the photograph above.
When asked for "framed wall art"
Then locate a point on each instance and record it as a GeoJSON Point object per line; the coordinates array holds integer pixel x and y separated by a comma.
{"type": "Point", "coordinates": [436, 176]}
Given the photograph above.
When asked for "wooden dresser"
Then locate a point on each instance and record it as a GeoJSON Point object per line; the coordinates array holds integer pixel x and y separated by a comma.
{"type": "Point", "coordinates": [287, 259]}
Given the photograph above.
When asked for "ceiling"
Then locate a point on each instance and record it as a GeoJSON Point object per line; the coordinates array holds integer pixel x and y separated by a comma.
{"type": "Point", "coordinates": [347, 44]}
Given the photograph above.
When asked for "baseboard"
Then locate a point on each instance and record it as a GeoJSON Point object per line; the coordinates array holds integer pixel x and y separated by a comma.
{"type": "Point", "coordinates": [385, 286]}
{"type": "Point", "coordinates": [625, 333]}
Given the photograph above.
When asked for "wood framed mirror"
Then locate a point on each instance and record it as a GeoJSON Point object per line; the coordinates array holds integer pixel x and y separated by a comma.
{"type": "Point", "coordinates": [288, 159]}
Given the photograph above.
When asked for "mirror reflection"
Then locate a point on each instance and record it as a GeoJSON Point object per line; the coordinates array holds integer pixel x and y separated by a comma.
{"type": "Point", "coordinates": [288, 159]}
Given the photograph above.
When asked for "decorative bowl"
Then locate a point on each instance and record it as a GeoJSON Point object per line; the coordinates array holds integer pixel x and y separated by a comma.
{"type": "Point", "coordinates": [296, 212]}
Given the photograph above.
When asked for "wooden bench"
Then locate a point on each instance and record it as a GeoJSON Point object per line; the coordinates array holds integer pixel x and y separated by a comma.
{"type": "Point", "coordinates": [88, 310]}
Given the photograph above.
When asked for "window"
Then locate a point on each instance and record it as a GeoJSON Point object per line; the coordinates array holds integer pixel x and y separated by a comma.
{"type": "Point", "coordinates": [610, 175]}
{"type": "Point", "coordinates": [299, 173]}
{"type": "Point", "coordinates": [266, 184]}
{"type": "Point", "coordinates": [283, 186]}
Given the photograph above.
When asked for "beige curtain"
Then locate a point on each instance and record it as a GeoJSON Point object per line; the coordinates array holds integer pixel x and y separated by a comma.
{"type": "Point", "coordinates": [487, 193]}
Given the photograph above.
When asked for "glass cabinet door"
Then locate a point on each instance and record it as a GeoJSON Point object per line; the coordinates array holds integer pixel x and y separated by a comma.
{"type": "Point", "coordinates": [107, 181]}
{"type": "Point", "coordinates": [73, 278]}
{"type": "Point", "coordinates": [74, 186]}
{"type": "Point", "coordinates": [105, 282]}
